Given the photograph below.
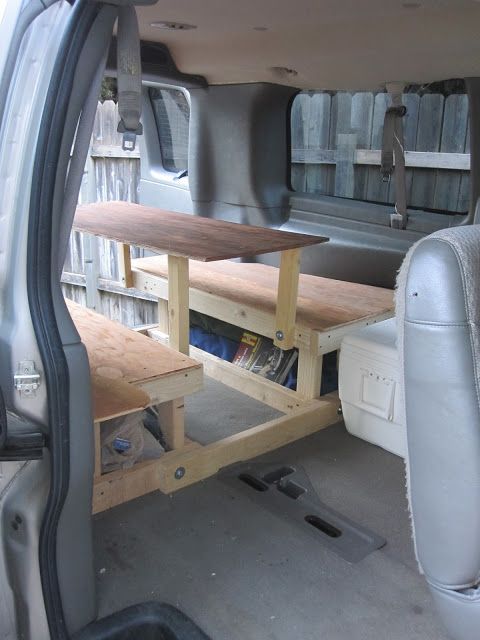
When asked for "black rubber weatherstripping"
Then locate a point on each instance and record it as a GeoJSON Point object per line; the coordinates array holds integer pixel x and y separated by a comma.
{"type": "Point", "coordinates": [146, 621]}
{"type": "Point", "coordinates": [39, 285]}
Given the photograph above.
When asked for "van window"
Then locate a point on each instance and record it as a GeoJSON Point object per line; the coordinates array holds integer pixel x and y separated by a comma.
{"type": "Point", "coordinates": [172, 115]}
{"type": "Point", "coordinates": [337, 137]}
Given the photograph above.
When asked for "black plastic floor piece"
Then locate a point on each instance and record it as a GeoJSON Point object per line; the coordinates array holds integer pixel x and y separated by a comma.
{"type": "Point", "coordinates": [286, 491]}
{"type": "Point", "coordinates": [145, 621]}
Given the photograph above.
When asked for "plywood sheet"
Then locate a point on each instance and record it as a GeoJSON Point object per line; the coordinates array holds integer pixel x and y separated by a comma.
{"type": "Point", "coordinates": [180, 234]}
{"type": "Point", "coordinates": [118, 353]}
{"type": "Point", "coordinates": [323, 303]}
{"type": "Point", "coordinates": [113, 398]}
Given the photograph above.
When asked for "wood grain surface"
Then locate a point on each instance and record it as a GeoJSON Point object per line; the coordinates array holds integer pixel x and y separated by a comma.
{"type": "Point", "coordinates": [323, 303]}
{"type": "Point", "coordinates": [116, 352]}
{"type": "Point", "coordinates": [184, 235]}
{"type": "Point", "coordinates": [114, 398]}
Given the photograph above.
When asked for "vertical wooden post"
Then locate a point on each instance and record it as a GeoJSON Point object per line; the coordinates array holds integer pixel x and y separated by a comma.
{"type": "Point", "coordinates": [178, 303]}
{"type": "Point", "coordinates": [287, 298]}
{"type": "Point", "coordinates": [125, 265]}
{"type": "Point", "coordinates": [172, 422]}
{"type": "Point", "coordinates": [309, 376]}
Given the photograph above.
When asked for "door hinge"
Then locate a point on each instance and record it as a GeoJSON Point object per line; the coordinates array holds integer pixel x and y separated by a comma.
{"type": "Point", "coordinates": [27, 378]}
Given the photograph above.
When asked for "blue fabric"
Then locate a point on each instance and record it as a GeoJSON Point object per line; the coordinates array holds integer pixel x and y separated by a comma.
{"type": "Point", "coordinates": [211, 343]}
{"type": "Point", "coordinates": [226, 349]}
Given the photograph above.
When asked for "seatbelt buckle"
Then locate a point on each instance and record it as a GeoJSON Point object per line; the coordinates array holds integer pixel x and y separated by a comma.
{"type": "Point", "coordinates": [129, 137]}
{"type": "Point", "coordinates": [129, 140]}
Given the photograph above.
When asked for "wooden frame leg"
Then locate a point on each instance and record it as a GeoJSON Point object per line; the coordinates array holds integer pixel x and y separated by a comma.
{"type": "Point", "coordinates": [178, 303]}
{"type": "Point", "coordinates": [309, 377]}
{"type": "Point", "coordinates": [172, 422]}
{"type": "Point", "coordinates": [287, 298]}
{"type": "Point", "coordinates": [125, 265]}
{"type": "Point", "coordinates": [98, 450]}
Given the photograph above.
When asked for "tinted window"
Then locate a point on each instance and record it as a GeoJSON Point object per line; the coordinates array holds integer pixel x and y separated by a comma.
{"type": "Point", "coordinates": [172, 116]}
{"type": "Point", "coordinates": [337, 136]}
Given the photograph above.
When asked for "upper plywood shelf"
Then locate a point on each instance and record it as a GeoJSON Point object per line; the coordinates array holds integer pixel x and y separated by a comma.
{"type": "Point", "coordinates": [184, 235]}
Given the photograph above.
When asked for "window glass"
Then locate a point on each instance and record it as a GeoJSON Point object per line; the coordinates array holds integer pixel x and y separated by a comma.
{"type": "Point", "coordinates": [336, 139]}
{"type": "Point", "coordinates": [172, 116]}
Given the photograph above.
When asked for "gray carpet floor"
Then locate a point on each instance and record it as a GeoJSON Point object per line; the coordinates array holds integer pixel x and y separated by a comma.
{"type": "Point", "coordinates": [243, 573]}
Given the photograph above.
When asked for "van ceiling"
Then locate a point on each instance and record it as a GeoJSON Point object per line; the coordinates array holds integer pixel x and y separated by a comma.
{"type": "Point", "coordinates": [329, 44]}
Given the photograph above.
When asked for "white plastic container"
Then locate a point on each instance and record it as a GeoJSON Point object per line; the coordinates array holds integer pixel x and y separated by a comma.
{"type": "Point", "coordinates": [370, 386]}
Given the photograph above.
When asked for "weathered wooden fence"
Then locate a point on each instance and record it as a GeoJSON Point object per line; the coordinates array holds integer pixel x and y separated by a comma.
{"type": "Point", "coordinates": [336, 142]}
{"type": "Point", "coordinates": [91, 273]}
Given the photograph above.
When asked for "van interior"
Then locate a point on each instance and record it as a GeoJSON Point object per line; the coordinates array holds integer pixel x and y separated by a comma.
{"type": "Point", "coordinates": [273, 266]}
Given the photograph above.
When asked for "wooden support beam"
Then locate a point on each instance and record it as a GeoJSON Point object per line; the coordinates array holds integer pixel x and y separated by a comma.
{"type": "Point", "coordinates": [125, 265]}
{"type": "Point", "coordinates": [243, 380]}
{"type": "Point", "coordinates": [309, 376]}
{"type": "Point", "coordinates": [178, 303]}
{"type": "Point", "coordinates": [117, 487]}
{"type": "Point", "coordinates": [287, 299]}
{"type": "Point", "coordinates": [172, 423]}
{"type": "Point", "coordinates": [198, 464]}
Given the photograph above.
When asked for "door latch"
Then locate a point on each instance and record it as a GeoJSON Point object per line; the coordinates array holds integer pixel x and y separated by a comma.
{"type": "Point", "coordinates": [27, 378]}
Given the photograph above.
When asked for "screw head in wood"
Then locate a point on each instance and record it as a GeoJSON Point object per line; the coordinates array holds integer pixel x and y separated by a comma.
{"type": "Point", "coordinates": [179, 473]}
{"type": "Point", "coordinates": [279, 335]}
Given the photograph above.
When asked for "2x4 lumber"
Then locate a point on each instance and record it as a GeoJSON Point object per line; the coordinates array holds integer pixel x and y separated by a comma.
{"type": "Point", "coordinates": [178, 303]}
{"type": "Point", "coordinates": [205, 461]}
{"type": "Point", "coordinates": [251, 384]}
{"type": "Point", "coordinates": [117, 487]}
{"type": "Point", "coordinates": [240, 315]}
{"type": "Point", "coordinates": [125, 265]}
{"type": "Point", "coordinates": [171, 416]}
{"type": "Point", "coordinates": [287, 299]}
{"type": "Point", "coordinates": [309, 376]}
{"type": "Point", "coordinates": [176, 385]}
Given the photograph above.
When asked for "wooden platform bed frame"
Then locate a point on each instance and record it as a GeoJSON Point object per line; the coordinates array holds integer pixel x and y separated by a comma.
{"type": "Point", "coordinates": [313, 314]}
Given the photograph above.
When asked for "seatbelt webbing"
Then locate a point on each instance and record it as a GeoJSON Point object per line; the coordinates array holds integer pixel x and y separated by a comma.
{"type": "Point", "coordinates": [129, 77]}
{"type": "Point", "coordinates": [393, 158]}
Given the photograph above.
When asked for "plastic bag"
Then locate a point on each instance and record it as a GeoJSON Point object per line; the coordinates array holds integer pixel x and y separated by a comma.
{"type": "Point", "coordinates": [122, 441]}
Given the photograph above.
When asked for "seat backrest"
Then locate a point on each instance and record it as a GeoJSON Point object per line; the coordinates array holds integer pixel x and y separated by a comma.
{"type": "Point", "coordinates": [438, 315]}
{"type": "Point", "coordinates": [438, 311]}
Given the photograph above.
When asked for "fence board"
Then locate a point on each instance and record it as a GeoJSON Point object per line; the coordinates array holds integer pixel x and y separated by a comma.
{"type": "Point", "coordinates": [447, 188]}
{"type": "Point", "coordinates": [361, 122]}
{"type": "Point", "coordinates": [299, 118]}
{"type": "Point", "coordinates": [317, 129]}
{"type": "Point", "coordinates": [377, 190]}
{"type": "Point", "coordinates": [428, 139]}
{"type": "Point", "coordinates": [340, 123]}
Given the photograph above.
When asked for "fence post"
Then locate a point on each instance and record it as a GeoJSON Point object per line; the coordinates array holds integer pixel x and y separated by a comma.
{"type": "Point", "coordinates": [344, 171]}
